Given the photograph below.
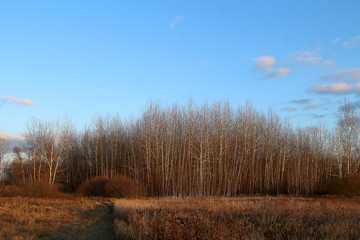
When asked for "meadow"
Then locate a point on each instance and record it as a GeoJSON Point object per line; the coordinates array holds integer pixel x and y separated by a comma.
{"type": "Point", "coordinates": [35, 218]}
{"type": "Point", "coordinates": [247, 217]}
{"type": "Point", "coordinates": [281, 217]}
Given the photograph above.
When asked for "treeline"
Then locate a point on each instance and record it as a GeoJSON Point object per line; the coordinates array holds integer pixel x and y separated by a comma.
{"type": "Point", "coordinates": [193, 151]}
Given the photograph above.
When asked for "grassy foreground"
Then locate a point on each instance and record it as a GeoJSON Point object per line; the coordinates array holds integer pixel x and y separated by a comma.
{"type": "Point", "coordinates": [279, 217]}
{"type": "Point", "coordinates": [28, 218]}
{"type": "Point", "coordinates": [238, 218]}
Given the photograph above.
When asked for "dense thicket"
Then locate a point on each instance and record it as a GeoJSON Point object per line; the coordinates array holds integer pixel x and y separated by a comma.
{"type": "Point", "coordinates": [194, 151]}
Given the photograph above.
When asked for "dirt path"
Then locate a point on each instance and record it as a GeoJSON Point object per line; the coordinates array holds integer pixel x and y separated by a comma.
{"type": "Point", "coordinates": [94, 224]}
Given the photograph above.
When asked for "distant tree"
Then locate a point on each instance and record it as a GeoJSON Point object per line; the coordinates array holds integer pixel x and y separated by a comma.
{"type": "Point", "coordinates": [19, 158]}
{"type": "Point", "coordinates": [346, 141]}
{"type": "Point", "coordinates": [4, 146]}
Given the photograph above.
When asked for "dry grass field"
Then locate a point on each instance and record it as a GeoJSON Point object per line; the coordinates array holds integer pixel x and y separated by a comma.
{"type": "Point", "coordinates": [279, 217]}
{"type": "Point", "coordinates": [27, 218]}
{"type": "Point", "coordinates": [238, 218]}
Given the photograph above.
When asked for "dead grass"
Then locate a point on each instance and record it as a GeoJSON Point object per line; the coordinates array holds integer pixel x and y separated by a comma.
{"type": "Point", "coordinates": [28, 218]}
{"type": "Point", "coordinates": [238, 218]}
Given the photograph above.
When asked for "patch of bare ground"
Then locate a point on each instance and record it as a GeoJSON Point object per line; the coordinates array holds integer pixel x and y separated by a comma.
{"type": "Point", "coordinates": [279, 217]}
{"type": "Point", "coordinates": [80, 218]}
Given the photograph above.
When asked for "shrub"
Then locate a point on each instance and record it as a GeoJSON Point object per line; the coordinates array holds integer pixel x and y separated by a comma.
{"type": "Point", "coordinates": [93, 187]}
{"type": "Point", "coordinates": [38, 189]}
{"type": "Point", "coordinates": [124, 187]}
{"type": "Point", "coordinates": [347, 187]}
{"type": "Point", "coordinates": [119, 187]}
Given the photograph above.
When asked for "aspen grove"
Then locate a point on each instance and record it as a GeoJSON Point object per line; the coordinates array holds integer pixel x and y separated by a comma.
{"type": "Point", "coordinates": [206, 150]}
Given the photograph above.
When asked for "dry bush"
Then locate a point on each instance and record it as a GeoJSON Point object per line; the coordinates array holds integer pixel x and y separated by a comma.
{"type": "Point", "coordinates": [124, 187]}
{"type": "Point", "coordinates": [38, 189]}
{"type": "Point", "coordinates": [119, 187]}
{"type": "Point", "coordinates": [27, 218]}
{"type": "Point", "coordinates": [348, 187]}
{"type": "Point", "coordinates": [93, 187]}
{"type": "Point", "coordinates": [238, 218]}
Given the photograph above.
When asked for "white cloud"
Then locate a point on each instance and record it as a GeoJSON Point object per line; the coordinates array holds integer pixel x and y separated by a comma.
{"type": "Point", "coordinates": [176, 20]}
{"type": "Point", "coordinates": [337, 88]}
{"type": "Point", "coordinates": [352, 42]}
{"type": "Point", "coordinates": [18, 101]}
{"type": "Point", "coordinates": [346, 75]}
{"type": "Point", "coordinates": [264, 64]}
{"type": "Point", "coordinates": [279, 73]}
{"type": "Point", "coordinates": [336, 40]}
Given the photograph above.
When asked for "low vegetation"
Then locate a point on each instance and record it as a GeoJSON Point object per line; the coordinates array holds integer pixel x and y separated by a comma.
{"type": "Point", "coordinates": [118, 187]}
{"type": "Point", "coordinates": [38, 189]}
{"type": "Point", "coordinates": [28, 218]}
{"type": "Point", "coordinates": [238, 218]}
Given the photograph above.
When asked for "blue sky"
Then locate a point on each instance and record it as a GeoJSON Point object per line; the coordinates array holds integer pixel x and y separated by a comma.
{"type": "Point", "coordinates": [82, 58]}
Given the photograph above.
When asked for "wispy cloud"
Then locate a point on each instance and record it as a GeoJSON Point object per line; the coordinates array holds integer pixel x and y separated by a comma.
{"type": "Point", "coordinates": [317, 116]}
{"type": "Point", "coordinates": [176, 20]}
{"type": "Point", "coordinates": [312, 58]}
{"type": "Point", "coordinates": [301, 101]}
{"type": "Point", "coordinates": [278, 73]}
{"type": "Point", "coordinates": [206, 63]}
{"type": "Point", "coordinates": [346, 75]}
{"type": "Point", "coordinates": [289, 109]}
{"type": "Point", "coordinates": [266, 66]}
{"type": "Point", "coordinates": [26, 102]}
{"type": "Point", "coordinates": [308, 57]}
{"type": "Point", "coordinates": [336, 40]}
{"type": "Point", "coordinates": [328, 63]}
{"type": "Point", "coordinates": [305, 102]}
{"type": "Point", "coordinates": [352, 42]}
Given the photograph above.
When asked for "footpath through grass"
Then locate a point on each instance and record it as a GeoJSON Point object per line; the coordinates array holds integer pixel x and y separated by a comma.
{"type": "Point", "coordinates": [79, 218]}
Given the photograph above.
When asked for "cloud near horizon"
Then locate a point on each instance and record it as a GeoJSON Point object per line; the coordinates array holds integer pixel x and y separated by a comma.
{"type": "Point", "coordinates": [337, 88]}
{"type": "Point", "coordinates": [11, 137]}
{"type": "Point", "coordinates": [25, 102]}
{"type": "Point", "coordinates": [307, 103]}
{"type": "Point", "coordinates": [343, 82]}
{"type": "Point", "coordinates": [289, 109]}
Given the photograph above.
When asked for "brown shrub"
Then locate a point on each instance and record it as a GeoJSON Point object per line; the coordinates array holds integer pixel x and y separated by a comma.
{"type": "Point", "coordinates": [119, 187]}
{"type": "Point", "coordinates": [124, 187]}
{"type": "Point", "coordinates": [93, 187]}
{"type": "Point", "coordinates": [348, 187]}
{"type": "Point", "coordinates": [38, 189]}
